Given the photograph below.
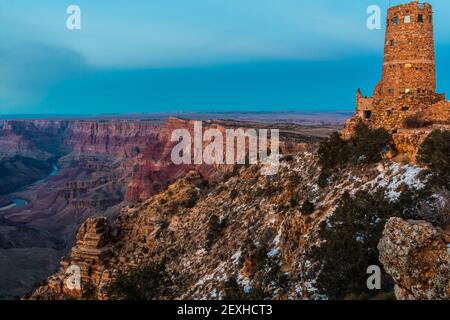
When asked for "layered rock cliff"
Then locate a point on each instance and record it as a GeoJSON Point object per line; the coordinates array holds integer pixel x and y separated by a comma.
{"type": "Point", "coordinates": [153, 169]}
{"type": "Point", "coordinates": [120, 138]}
{"type": "Point", "coordinates": [38, 139]}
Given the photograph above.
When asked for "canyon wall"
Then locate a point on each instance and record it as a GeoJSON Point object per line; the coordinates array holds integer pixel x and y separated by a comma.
{"type": "Point", "coordinates": [122, 138]}
{"type": "Point", "coordinates": [153, 169]}
{"type": "Point", "coordinates": [34, 138]}
{"type": "Point", "coordinates": [142, 147]}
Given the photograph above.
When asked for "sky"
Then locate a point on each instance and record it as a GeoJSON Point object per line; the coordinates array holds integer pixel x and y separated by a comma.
{"type": "Point", "coordinates": [194, 55]}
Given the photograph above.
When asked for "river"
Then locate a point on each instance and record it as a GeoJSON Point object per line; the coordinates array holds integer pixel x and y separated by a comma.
{"type": "Point", "coordinates": [17, 202]}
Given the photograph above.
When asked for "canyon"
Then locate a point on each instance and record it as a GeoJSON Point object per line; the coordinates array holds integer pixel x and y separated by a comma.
{"type": "Point", "coordinates": [118, 205]}
{"type": "Point", "coordinates": [103, 165]}
{"type": "Point", "coordinates": [102, 196]}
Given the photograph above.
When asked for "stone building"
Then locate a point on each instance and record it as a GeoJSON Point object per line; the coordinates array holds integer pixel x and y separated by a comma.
{"type": "Point", "coordinates": [405, 100]}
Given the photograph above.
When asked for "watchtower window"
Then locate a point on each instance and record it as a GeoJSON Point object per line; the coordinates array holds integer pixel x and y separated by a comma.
{"type": "Point", "coordinates": [392, 43]}
{"type": "Point", "coordinates": [389, 113]}
{"type": "Point", "coordinates": [395, 20]}
{"type": "Point", "coordinates": [404, 109]}
{"type": "Point", "coordinates": [367, 114]}
{"type": "Point", "coordinates": [430, 19]}
{"type": "Point", "coordinates": [391, 91]}
{"type": "Point", "coordinates": [420, 18]}
{"type": "Point", "coordinates": [407, 19]}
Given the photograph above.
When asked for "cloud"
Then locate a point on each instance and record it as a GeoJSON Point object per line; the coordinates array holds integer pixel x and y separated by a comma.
{"type": "Point", "coordinates": [42, 63]}
{"type": "Point", "coordinates": [173, 33]}
{"type": "Point", "coordinates": [28, 70]}
{"type": "Point", "coordinates": [30, 62]}
{"type": "Point", "coordinates": [176, 33]}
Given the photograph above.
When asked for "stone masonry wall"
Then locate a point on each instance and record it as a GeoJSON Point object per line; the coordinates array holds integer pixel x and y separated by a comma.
{"type": "Point", "coordinates": [409, 62]}
{"type": "Point", "coordinates": [406, 97]}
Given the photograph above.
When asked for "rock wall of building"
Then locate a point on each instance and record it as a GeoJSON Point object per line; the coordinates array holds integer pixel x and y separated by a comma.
{"type": "Point", "coordinates": [409, 141]}
{"type": "Point", "coordinates": [439, 113]}
{"type": "Point", "coordinates": [406, 97]}
{"type": "Point", "coordinates": [409, 58]}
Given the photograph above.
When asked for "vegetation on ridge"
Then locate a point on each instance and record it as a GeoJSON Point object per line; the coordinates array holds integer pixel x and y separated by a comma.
{"type": "Point", "coordinates": [141, 283]}
{"type": "Point", "coordinates": [365, 147]}
{"type": "Point", "coordinates": [434, 152]}
{"type": "Point", "coordinates": [351, 235]}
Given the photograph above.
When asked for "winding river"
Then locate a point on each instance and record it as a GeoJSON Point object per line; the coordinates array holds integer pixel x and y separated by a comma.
{"type": "Point", "coordinates": [17, 202]}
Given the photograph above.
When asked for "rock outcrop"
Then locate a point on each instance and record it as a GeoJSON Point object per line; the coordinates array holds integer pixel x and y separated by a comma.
{"type": "Point", "coordinates": [417, 256]}
{"type": "Point", "coordinates": [90, 258]}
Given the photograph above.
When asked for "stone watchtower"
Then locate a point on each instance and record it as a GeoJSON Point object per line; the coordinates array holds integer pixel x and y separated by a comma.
{"type": "Point", "coordinates": [406, 95]}
{"type": "Point", "coordinates": [409, 65]}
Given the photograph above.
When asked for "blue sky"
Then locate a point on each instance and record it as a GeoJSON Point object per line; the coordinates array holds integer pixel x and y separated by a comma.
{"type": "Point", "coordinates": [194, 55]}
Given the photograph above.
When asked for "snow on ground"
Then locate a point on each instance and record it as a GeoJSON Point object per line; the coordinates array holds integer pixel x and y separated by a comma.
{"type": "Point", "coordinates": [273, 252]}
{"type": "Point", "coordinates": [244, 282]}
{"type": "Point", "coordinates": [276, 242]}
{"type": "Point", "coordinates": [236, 256]}
{"type": "Point", "coordinates": [393, 177]}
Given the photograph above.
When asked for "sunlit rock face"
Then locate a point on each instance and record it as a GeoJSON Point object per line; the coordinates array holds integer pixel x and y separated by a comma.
{"type": "Point", "coordinates": [416, 255]}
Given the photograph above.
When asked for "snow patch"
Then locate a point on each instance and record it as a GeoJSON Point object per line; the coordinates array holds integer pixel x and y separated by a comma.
{"type": "Point", "coordinates": [273, 252]}
{"type": "Point", "coordinates": [236, 256]}
{"type": "Point", "coordinates": [245, 283]}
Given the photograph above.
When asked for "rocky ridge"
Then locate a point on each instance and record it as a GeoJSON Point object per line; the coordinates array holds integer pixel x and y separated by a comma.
{"type": "Point", "coordinates": [102, 165]}
{"type": "Point", "coordinates": [253, 232]}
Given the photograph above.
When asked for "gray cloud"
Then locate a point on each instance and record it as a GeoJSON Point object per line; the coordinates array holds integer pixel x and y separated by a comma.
{"type": "Point", "coordinates": [28, 70]}
{"type": "Point", "coordinates": [29, 62]}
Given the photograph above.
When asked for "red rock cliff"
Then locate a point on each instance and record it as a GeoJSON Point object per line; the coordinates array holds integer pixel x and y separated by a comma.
{"type": "Point", "coordinates": [124, 138]}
